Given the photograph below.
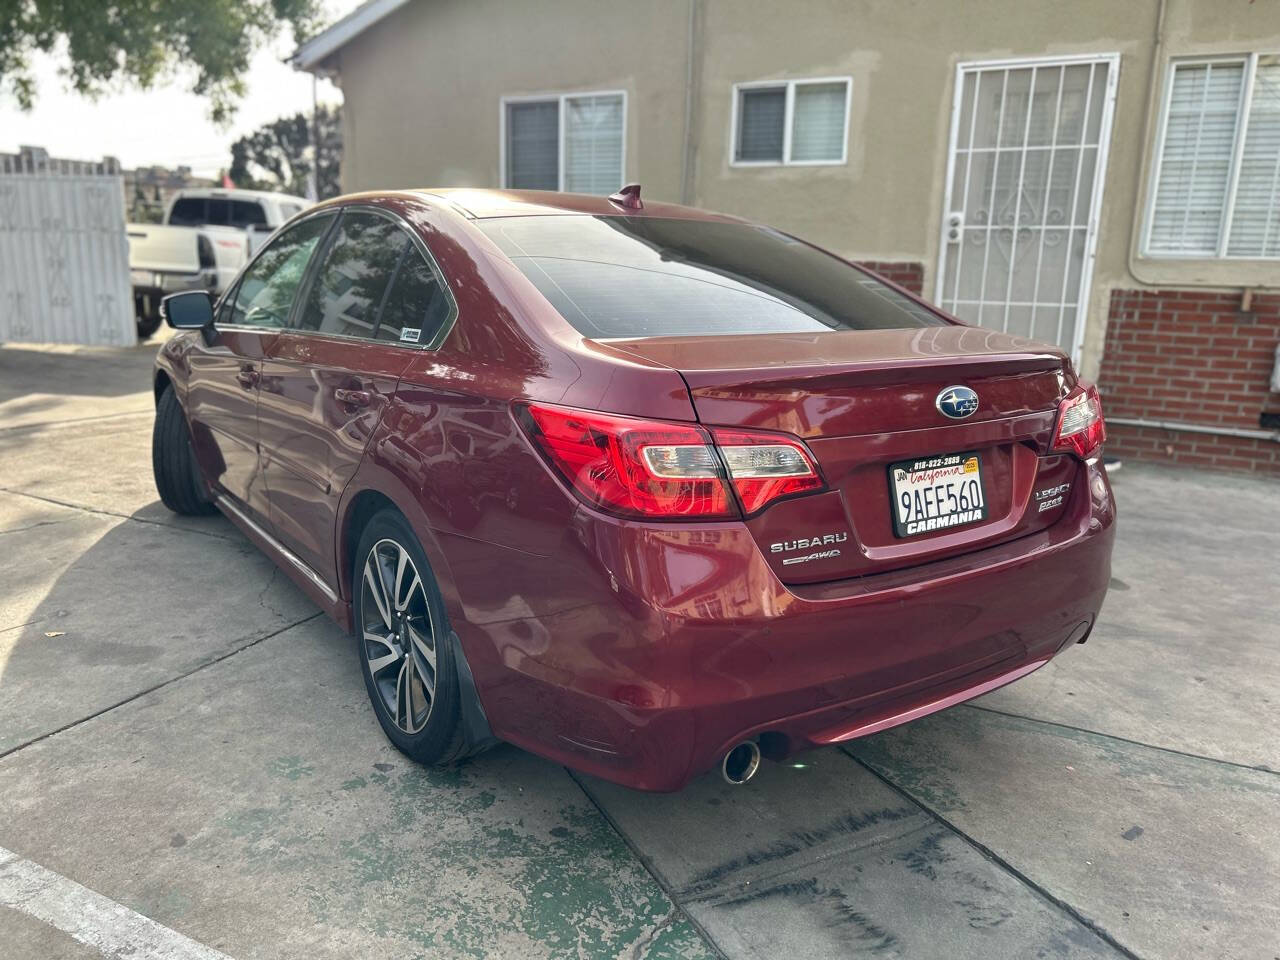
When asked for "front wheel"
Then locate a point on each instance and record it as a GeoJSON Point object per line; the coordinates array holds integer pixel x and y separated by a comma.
{"type": "Point", "coordinates": [173, 461]}
{"type": "Point", "coordinates": [402, 640]}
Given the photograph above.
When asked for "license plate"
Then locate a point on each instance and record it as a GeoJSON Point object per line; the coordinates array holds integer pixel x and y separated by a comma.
{"type": "Point", "coordinates": [936, 493]}
{"type": "Point", "coordinates": [144, 278]}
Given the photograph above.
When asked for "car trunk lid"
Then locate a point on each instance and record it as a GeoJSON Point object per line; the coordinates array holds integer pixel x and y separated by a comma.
{"type": "Point", "coordinates": [866, 403]}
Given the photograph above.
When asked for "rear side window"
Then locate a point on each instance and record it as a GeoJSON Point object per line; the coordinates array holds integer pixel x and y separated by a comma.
{"type": "Point", "coordinates": [352, 280]}
{"type": "Point", "coordinates": [266, 292]}
{"type": "Point", "coordinates": [417, 305]}
{"type": "Point", "coordinates": [621, 277]}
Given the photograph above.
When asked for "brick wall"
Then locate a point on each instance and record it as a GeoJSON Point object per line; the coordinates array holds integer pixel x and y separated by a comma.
{"type": "Point", "coordinates": [1197, 358]}
{"type": "Point", "coordinates": [907, 275]}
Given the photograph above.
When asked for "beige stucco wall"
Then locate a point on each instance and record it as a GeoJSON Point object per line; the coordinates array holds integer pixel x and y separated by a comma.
{"type": "Point", "coordinates": [423, 89]}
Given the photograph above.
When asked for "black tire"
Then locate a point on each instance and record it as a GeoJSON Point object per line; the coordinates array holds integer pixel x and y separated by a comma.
{"type": "Point", "coordinates": [173, 461]}
{"type": "Point", "coordinates": [396, 638]}
{"type": "Point", "coordinates": [147, 325]}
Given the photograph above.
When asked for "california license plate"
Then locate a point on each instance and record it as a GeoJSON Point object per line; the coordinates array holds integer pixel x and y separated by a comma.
{"type": "Point", "coordinates": [936, 493]}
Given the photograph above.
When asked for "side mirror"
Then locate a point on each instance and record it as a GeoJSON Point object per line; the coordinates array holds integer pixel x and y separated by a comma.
{"type": "Point", "coordinates": [189, 310]}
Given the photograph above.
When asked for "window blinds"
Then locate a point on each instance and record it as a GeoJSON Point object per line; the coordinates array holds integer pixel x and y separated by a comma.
{"type": "Point", "coordinates": [589, 159]}
{"type": "Point", "coordinates": [1195, 164]}
{"type": "Point", "coordinates": [1218, 188]}
{"type": "Point", "coordinates": [812, 111]}
{"type": "Point", "coordinates": [817, 130]}
{"type": "Point", "coordinates": [761, 122]}
{"type": "Point", "coordinates": [1255, 224]}
{"type": "Point", "coordinates": [593, 144]}
{"type": "Point", "coordinates": [533, 153]}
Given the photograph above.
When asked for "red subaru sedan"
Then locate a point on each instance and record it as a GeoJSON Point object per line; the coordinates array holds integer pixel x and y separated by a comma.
{"type": "Point", "coordinates": [642, 489]}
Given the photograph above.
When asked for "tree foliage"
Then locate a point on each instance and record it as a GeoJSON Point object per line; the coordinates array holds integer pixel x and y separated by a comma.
{"type": "Point", "coordinates": [145, 41]}
{"type": "Point", "coordinates": [277, 156]}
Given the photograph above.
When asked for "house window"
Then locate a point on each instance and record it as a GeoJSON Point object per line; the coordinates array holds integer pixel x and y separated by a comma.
{"type": "Point", "coordinates": [1217, 181]}
{"type": "Point", "coordinates": [573, 142]}
{"type": "Point", "coordinates": [793, 122]}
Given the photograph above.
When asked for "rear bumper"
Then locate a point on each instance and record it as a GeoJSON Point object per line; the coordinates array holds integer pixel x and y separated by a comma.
{"type": "Point", "coordinates": [699, 646]}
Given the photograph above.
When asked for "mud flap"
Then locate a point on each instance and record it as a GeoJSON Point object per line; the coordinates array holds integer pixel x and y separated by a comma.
{"type": "Point", "coordinates": [475, 725]}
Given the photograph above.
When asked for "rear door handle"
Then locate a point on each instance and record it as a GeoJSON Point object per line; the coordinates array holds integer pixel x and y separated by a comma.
{"type": "Point", "coordinates": [353, 398]}
{"type": "Point", "coordinates": [247, 379]}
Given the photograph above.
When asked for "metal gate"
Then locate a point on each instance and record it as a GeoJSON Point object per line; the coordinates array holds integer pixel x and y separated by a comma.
{"type": "Point", "coordinates": [1024, 185]}
{"type": "Point", "coordinates": [64, 253]}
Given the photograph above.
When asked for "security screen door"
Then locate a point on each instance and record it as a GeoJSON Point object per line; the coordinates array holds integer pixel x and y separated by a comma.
{"type": "Point", "coordinates": [1024, 183]}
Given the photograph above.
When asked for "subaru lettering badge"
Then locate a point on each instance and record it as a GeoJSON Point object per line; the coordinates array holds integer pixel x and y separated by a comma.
{"type": "Point", "coordinates": [957, 402]}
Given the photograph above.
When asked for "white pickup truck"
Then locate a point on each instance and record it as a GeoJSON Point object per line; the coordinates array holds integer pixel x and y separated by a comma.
{"type": "Point", "coordinates": [206, 237]}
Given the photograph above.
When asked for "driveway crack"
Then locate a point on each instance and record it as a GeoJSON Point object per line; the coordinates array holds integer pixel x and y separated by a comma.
{"type": "Point", "coordinates": [648, 864]}
{"type": "Point", "coordinates": [43, 425]}
{"type": "Point", "coordinates": [641, 949]}
{"type": "Point", "coordinates": [999, 861]}
{"type": "Point", "coordinates": [158, 686]}
{"type": "Point", "coordinates": [31, 526]}
{"type": "Point", "coordinates": [1258, 768]}
{"type": "Point", "coordinates": [262, 594]}
{"type": "Point", "coordinates": [114, 513]}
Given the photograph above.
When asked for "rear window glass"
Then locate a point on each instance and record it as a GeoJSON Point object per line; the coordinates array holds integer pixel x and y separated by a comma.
{"type": "Point", "coordinates": [187, 212]}
{"type": "Point", "coordinates": [620, 277]}
{"type": "Point", "coordinates": [245, 213]}
{"type": "Point", "coordinates": [218, 212]}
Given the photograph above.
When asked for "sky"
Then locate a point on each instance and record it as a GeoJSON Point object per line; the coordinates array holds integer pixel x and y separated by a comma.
{"type": "Point", "coordinates": [163, 126]}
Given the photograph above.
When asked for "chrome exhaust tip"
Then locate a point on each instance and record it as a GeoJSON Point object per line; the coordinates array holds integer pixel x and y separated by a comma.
{"type": "Point", "coordinates": [741, 763]}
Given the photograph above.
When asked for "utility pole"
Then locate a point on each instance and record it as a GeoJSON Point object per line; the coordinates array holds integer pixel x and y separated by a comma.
{"type": "Point", "coordinates": [313, 182]}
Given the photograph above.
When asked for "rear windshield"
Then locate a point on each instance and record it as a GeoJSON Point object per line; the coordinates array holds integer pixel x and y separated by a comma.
{"type": "Point", "coordinates": [215, 212]}
{"type": "Point", "coordinates": [618, 277]}
{"type": "Point", "coordinates": [188, 212]}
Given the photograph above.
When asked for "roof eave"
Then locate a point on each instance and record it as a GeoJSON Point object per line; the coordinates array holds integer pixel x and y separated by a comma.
{"type": "Point", "coordinates": [311, 56]}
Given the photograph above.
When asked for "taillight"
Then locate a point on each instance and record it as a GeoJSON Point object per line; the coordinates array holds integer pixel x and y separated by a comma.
{"type": "Point", "coordinates": [633, 467]}
{"type": "Point", "coordinates": [766, 466]}
{"type": "Point", "coordinates": [652, 468]}
{"type": "Point", "coordinates": [1081, 429]}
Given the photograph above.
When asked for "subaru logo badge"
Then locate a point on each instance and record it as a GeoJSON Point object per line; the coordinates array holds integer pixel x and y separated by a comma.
{"type": "Point", "coordinates": [957, 402]}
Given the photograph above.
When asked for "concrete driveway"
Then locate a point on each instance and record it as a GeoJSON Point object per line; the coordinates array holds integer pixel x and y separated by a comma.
{"type": "Point", "coordinates": [189, 766]}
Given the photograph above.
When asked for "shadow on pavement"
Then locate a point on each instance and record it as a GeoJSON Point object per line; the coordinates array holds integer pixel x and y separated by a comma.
{"type": "Point", "coordinates": [74, 371]}
{"type": "Point", "coordinates": [220, 770]}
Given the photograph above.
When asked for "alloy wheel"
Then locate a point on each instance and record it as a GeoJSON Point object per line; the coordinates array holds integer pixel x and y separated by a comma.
{"type": "Point", "coordinates": [399, 641]}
